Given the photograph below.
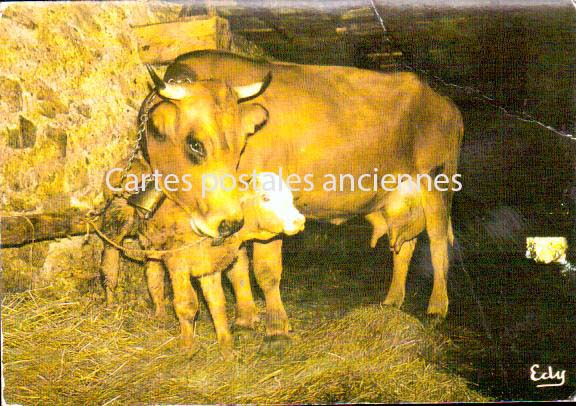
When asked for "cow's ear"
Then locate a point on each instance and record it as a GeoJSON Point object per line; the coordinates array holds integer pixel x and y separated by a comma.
{"type": "Point", "coordinates": [253, 118]}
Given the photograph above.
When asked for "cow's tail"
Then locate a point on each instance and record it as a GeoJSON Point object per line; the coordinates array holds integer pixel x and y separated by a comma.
{"type": "Point", "coordinates": [451, 169]}
{"type": "Point", "coordinates": [450, 231]}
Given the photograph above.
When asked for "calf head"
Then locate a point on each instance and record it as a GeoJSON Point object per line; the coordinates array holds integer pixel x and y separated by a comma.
{"type": "Point", "coordinates": [270, 211]}
{"type": "Point", "coordinates": [196, 128]}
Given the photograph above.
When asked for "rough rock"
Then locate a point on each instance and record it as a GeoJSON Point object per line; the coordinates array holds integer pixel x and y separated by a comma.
{"type": "Point", "coordinates": [71, 81]}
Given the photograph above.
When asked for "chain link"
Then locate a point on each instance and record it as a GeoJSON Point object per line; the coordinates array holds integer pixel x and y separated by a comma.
{"type": "Point", "coordinates": [143, 122]}
{"type": "Point", "coordinates": [473, 92]}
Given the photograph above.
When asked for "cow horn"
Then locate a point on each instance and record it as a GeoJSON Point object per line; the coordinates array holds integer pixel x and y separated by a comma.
{"type": "Point", "coordinates": [253, 90]}
{"type": "Point", "coordinates": [158, 83]}
{"type": "Point", "coordinates": [167, 90]}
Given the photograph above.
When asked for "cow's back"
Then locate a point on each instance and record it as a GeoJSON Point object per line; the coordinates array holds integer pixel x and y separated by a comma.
{"type": "Point", "coordinates": [338, 120]}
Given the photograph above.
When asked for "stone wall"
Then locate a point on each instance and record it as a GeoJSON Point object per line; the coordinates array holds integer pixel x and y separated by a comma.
{"type": "Point", "coordinates": [71, 82]}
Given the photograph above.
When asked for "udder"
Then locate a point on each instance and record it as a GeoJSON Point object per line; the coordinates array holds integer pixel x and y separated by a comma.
{"type": "Point", "coordinates": [401, 217]}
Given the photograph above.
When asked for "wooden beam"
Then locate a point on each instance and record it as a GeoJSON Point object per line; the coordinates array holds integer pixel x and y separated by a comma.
{"type": "Point", "coordinates": [274, 21]}
{"type": "Point", "coordinates": [162, 43]}
{"type": "Point", "coordinates": [16, 230]}
{"type": "Point", "coordinates": [255, 30]}
{"type": "Point", "coordinates": [384, 55]}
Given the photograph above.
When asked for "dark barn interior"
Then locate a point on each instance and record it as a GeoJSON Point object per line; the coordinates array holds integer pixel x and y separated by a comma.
{"type": "Point", "coordinates": [506, 312]}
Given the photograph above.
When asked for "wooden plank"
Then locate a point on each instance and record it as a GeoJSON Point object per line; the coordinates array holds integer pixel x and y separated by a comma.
{"type": "Point", "coordinates": [162, 43]}
{"type": "Point", "coordinates": [16, 230]}
{"type": "Point", "coordinates": [384, 55]}
{"type": "Point", "coordinates": [255, 30]}
{"type": "Point", "coordinates": [358, 13]}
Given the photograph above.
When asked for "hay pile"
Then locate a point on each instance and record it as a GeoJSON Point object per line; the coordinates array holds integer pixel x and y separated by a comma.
{"type": "Point", "coordinates": [72, 350]}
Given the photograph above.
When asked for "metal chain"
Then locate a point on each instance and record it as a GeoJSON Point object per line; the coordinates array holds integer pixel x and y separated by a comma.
{"type": "Point", "coordinates": [140, 135]}
{"type": "Point", "coordinates": [143, 122]}
{"type": "Point", "coordinates": [475, 93]}
{"type": "Point", "coordinates": [149, 253]}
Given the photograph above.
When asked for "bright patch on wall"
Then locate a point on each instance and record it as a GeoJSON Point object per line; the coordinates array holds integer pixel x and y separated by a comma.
{"type": "Point", "coordinates": [547, 249]}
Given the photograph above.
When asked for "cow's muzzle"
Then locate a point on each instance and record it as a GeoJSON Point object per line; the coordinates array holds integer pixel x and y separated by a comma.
{"type": "Point", "coordinates": [227, 228]}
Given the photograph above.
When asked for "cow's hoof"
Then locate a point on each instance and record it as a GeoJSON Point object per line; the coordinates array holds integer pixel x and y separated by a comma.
{"type": "Point", "coordinates": [394, 301]}
{"type": "Point", "coordinates": [190, 349]}
{"type": "Point", "coordinates": [433, 321]}
{"type": "Point", "coordinates": [241, 331]}
{"type": "Point", "coordinates": [228, 353]}
{"type": "Point", "coordinates": [276, 343]}
{"type": "Point", "coordinates": [111, 298]}
{"type": "Point", "coordinates": [238, 328]}
{"type": "Point", "coordinates": [159, 314]}
{"type": "Point", "coordinates": [246, 323]}
{"type": "Point", "coordinates": [439, 310]}
{"type": "Point", "coordinates": [277, 327]}
{"type": "Point", "coordinates": [243, 336]}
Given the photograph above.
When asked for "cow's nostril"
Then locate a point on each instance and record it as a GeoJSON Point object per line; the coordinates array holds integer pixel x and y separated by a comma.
{"type": "Point", "coordinates": [237, 225]}
{"type": "Point", "coordinates": [227, 228]}
{"type": "Point", "coordinates": [224, 229]}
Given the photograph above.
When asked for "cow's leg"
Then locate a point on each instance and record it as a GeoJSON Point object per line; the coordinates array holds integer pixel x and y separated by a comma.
{"type": "Point", "coordinates": [214, 295]}
{"type": "Point", "coordinates": [246, 311]}
{"type": "Point", "coordinates": [155, 281]}
{"type": "Point", "coordinates": [117, 223]}
{"type": "Point", "coordinates": [396, 293]}
{"type": "Point", "coordinates": [435, 211]}
{"type": "Point", "coordinates": [185, 300]}
{"type": "Point", "coordinates": [268, 271]}
{"type": "Point", "coordinates": [109, 267]}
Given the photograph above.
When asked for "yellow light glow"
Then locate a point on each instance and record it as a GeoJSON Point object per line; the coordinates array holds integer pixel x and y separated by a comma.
{"type": "Point", "coordinates": [547, 249]}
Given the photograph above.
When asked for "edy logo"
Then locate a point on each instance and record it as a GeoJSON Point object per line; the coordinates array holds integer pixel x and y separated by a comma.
{"type": "Point", "coordinates": [536, 375]}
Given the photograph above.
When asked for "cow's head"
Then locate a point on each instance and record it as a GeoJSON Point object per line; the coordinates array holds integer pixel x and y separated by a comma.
{"type": "Point", "coordinates": [196, 128]}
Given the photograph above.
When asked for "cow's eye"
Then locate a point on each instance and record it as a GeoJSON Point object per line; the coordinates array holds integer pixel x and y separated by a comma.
{"type": "Point", "coordinates": [195, 148]}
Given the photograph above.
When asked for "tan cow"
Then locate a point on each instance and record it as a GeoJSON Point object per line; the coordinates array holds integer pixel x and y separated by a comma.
{"type": "Point", "coordinates": [193, 128]}
{"type": "Point", "coordinates": [171, 244]}
{"type": "Point", "coordinates": [342, 120]}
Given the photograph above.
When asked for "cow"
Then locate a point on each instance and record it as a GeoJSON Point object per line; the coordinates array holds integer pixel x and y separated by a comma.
{"type": "Point", "coordinates": [348, 121]}
{"type": "Point", "coordinates": [192, 128]}
{"type": "Point", "coordinates": [171, 244]}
